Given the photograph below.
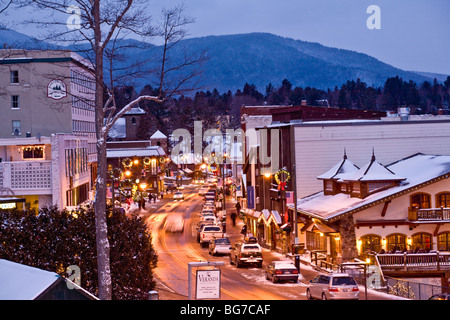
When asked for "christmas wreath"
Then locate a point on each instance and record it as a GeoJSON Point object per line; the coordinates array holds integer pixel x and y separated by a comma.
{"type": "Point", "coordinates": [127, 162]}
{"type": "Point", "coordinates": [146, 161]}
{"type": "Point", "coordinates": [282, 183]}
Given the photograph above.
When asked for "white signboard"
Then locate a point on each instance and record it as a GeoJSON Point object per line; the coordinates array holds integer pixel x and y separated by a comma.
{"type": "Point", "coordinates": [208, 284]}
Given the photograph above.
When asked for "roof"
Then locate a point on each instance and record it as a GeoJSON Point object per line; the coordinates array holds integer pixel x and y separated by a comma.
{"type": "Point", "coordinates": [418, 170]}
{"type": "Point", "coordinates": [134, 110]}
{"type": "Point", "coordinates": [22, 282]}
{"type": "Point", "coordinates": [152, 151]}
{"type": "Point", "coordinates": [373, 171]}
{"type": "Point", "coordinates": [158, 135]}
{"type": "Point", "coordinates": [118, 129]}
{"type": "Point", "coordinates": [341, 170]}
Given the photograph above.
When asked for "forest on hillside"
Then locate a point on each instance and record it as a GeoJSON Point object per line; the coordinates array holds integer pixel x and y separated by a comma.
{"type": "Point", "coordinates": [213, 107]}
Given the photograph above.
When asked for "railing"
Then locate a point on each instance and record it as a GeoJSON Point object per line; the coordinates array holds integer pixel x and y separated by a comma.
{"type": "Point", "coordinates": [431, 214]}
{"type": "Point", "coordinates": [25, 175]}
{"type": "Point", "coordinates": [407, 261]}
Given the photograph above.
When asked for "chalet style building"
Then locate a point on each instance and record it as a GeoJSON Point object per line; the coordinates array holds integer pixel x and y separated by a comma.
{"type": "Point", "coordinates": [402, 207]}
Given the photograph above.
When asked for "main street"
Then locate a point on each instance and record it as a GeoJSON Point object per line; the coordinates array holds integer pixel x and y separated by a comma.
{"type": "Point", "coordinates": [176, 250]}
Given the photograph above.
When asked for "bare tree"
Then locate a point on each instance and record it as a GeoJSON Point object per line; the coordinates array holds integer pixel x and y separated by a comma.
{"type": "Point", "coordinates": [103, 25]}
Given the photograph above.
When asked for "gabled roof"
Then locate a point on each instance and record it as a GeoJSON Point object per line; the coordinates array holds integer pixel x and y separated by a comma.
{"type": "Point", "coordinates": [341, 170]}
{"type": "Point", "coordinates": [158, 135]}
{"type": "Point", "coordinates": [373, 171]}
{"type": "Point", "coordinates": [419, 170]}
{"type": "Point", "coordinates": [134, 111]}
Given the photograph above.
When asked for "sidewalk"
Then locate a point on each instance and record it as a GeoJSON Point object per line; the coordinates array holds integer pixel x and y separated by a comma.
{"type": "Point", "coordinates": [306, 271]}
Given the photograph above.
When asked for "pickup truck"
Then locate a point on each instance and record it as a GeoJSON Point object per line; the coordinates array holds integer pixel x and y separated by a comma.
{"type": "Point", "coordinates": [210, 232]}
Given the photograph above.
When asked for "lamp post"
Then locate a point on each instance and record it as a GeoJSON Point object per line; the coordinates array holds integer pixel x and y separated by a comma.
{"type": "Point", "coordinates": [267, 176]}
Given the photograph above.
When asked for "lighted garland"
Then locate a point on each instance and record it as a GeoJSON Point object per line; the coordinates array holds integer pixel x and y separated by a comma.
{"type": "Point", "coordinates": [127, 162]}
{"type": "Point", "coordinates": [282, 183]}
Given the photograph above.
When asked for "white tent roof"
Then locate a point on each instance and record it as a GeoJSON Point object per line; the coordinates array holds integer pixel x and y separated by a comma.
{"type": "Point", "coordinates": [158, 135]}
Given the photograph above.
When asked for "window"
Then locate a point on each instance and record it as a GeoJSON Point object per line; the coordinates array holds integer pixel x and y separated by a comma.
{"type": "Point", "coordinates": [443, 200]}
{"type": "Point", "coordinates": [396, 242]}
{"type": "Point", "coordinates": [33, 152]}
{"type": "Point", "coordinates": [15, 104]}
{"type": "Point", "coordinates": [420, 201]}
{"type": "Point", "coordinates": [422, 241]}
{"type": "Point", "coordinates": [371, 242]}
{"type": "Point", "coordinates": [444, 241]}
{"type": "Point", "coordinates": [14, 76]}
{"type": "Point", "coordinates": [16, 127]}
{"type": "Point", "coordinates": [133, 120]}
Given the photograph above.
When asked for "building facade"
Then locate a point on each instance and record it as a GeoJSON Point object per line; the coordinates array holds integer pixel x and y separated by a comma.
{"type": "Point", "coordinates": [49, 95]}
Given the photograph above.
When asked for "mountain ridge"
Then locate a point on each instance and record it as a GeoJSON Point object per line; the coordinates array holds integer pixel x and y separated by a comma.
{"type": "Point", "coordinates": [263, 58]}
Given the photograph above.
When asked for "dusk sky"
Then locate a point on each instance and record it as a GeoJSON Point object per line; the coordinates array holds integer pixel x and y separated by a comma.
{"type": "Point", "coordinates": [414, 34]}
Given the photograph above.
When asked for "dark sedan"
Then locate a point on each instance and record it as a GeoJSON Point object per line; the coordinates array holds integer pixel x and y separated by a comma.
{"type": "Point", "coordinates": [279, 271]}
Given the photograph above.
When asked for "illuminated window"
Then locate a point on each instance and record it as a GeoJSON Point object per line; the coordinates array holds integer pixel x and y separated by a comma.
{"type": "Point", "coordinates": [422, 241]}
{"type": "Point", "coordinates": [443, 200]}
{"type": "Point", "coordinates": [444, 241]}
{"type": "Point", "coordinates": [421, 201]}
{"type": "Point", "coordinates": [33, 152]}
{"type": "Point", "coordinates": [371, 242]}
{"type": "Point", "coordinates": [396, 242]}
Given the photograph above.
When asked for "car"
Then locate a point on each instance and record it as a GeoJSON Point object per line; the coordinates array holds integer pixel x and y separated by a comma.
{"type": "Point", "coordinates": [219, 246]}
{"type": "Point", "coordinates": [279, 271]}
{"type": "Point", "coordinates": [174, 222]}
{"type": "Point", "coordinates": [440, 296]}
{"type": "Point", "coordinates": [178, 195]}
{"type": "Point", "coordinates": [243, 253]}
{"type": "Point", "coordinates": [203, 191]}
{"type": "Point", "coordinates": [333, 286]}
{"type": "Point", "coordinates": [200, 225]}
{"type": "Point", "coordinates": [207, 214]}
{"type": "Point", "coordinates": [210, 232]}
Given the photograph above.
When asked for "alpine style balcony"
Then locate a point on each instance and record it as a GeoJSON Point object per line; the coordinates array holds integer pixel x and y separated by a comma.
{"type": "Point", "coordinates": [432, 214]}
{"type": "Point", "coordinates": [25, 177]}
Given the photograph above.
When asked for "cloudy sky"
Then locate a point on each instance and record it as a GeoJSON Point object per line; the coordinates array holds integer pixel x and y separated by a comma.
{"type": "Point", "coordinates": [413, 35]}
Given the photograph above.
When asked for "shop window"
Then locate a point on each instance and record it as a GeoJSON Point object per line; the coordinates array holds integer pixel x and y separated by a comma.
{"type": "Point", "coordinates": [396, 242]}
{"type": "Point", "coordinates": [422, 241]}
{"type": "Point", "coordinates": [444, 241]}
{"type": "Point", "coordinates": [371, 243]}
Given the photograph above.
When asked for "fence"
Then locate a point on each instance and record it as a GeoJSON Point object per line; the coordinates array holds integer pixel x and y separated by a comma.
{"type": "Point", "coordinates": [413, 290]}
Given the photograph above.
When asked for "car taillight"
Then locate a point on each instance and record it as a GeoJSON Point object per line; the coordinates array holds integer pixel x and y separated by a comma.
{"type": "Point", "coordinates": [294, 271]}
{"type": "Point", "coordinates": [278, 272]}
{"type": "Point", "coordinates": [333, 289]}
{"type": "Point", "coordinates": [355, 289]}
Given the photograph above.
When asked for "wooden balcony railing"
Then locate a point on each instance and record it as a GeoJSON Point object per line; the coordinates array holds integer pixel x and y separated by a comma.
{"type": "Point", "coordinates": [432, 214]}
{"type": "Point", "coordinates": [433, 260]}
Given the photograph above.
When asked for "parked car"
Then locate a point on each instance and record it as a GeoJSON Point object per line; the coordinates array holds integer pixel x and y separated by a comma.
{"type": "Point", "coordinates": [202, 191]}
{"type": "Point", "coordinates": [210, 232]}
{"type": "Point", "coordinates": [242, 253]}
{"type": "Point", "coordinates": [200, 226]}
{"type": "Point", "coordinates": [219, 246]}
{"type": "Point", "coordinates": [175, 222]}
{"type": "Point", "coordinates": [278, 271]}
{"type": "Point", "coordinates": [333, 286]}
{"type": "Point", "coordinates": [440, 296]}
{"type": "Point", "coordinates": [178, 195]}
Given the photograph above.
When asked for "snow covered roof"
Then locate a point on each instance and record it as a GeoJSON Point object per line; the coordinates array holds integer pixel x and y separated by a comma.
{"type": "Point", "coordinates": [341, 170]}
{"type": "Point", "coordinates": [152, 151]}
{"type": "Point", "coordinates": [418, 169]}
{"type": "Point", "coordinates": [21, 282]}
{"type": "Point", "coordinates": [373, 171]}
{"type": "Point", "coordinates": [134, 110]}
{"type": "Point", "coordinates": [158, 135]}
{"type": "Point", "coordinates": [118, 129]}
